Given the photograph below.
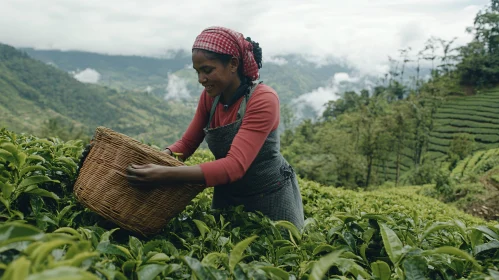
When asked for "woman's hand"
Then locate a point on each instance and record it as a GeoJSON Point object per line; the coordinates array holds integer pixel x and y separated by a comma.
{"type": "Point", "coordinates": [153, 175]}
{"type": "Point", "coordinates": [147, 175]}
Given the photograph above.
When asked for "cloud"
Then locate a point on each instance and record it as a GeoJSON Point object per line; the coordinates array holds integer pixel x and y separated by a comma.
{"type": "Point", "coordinates": [410, 33]}
{"type": "Point", "coordinates": [338, 84]}
{"type": "Point", "coordinates": [363, 32]}
{"type": "Point", "coordinates": [176, 88]}
{"type": "Point", "coordinates": [88, 75]}
{"type": "Point", "coordinates": [275, 60]}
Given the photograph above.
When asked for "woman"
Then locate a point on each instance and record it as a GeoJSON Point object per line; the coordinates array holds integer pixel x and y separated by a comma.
{"type": "Point", "coordinates": [238, 119]}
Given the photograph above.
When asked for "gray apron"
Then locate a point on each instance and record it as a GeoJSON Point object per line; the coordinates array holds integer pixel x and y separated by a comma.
{"type": "Point", "coordinates": [269, 185]}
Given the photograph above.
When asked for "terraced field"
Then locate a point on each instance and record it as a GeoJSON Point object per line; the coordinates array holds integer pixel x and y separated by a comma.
{"type": "Point", "coordinates": [476, 115]}
{"type": "Point", "coordinates": [475, 163]}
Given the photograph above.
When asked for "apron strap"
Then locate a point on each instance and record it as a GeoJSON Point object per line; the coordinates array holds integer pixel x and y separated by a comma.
{"type": "Point", "coordinates": [212, 111]}
{"type": "Point", "coordinates": [242, 107]}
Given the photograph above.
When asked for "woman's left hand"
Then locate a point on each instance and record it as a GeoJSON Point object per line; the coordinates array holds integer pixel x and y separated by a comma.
{"type": "Point", "coordinates": [147, 175]}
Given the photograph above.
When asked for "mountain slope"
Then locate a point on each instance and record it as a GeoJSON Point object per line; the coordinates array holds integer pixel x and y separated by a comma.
{"type": "Point", "coordinates": [117, 71]}
{"type": "Point", "coordinates": [291, 77]}
{"type": "Point", "coordinates": [32, 92]}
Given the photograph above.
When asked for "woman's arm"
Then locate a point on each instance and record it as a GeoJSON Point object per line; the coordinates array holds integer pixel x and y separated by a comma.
{"type": "Point", "coordinates": [153, 174]}
{"type": "Point", "coordinates": [194, 134]}
{"type": "Point", "coordinates": [262, 117]}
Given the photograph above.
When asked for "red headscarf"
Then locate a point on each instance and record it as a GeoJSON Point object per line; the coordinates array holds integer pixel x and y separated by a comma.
{"type": "Point", "coordinates": [226, 41]}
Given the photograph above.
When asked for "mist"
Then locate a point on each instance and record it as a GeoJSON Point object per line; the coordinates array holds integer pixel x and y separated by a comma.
{"type": "Point", "coordinates": [176, 88]}
{"type": "Point", "coordinates": [89, 75]}
{"type": "Point", "coordinates": [338, 84]}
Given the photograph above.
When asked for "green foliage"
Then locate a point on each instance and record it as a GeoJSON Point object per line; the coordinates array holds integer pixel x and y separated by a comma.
{"type": "Point", "coordinates": [479, 66]}
{"type": "Point", "coordinates": [121, 72]}
{"type": "Point", "coordinates": [33, 171]}
{"type": "Point", "coordinates": [486, 164]}
{"type": "Point", "coordinates": [135, 73]}
{"type": "Point", "coordinates": [350, 102]}
{"type": "Point", "coordinates": [45, 101]}
{"type": "Point", "coordinates": [369, 143]}
{"type": "Point", "coordinates": [425, 173]}
{"type": "Point", "coordinates": [65, 131]}
{"type": "Point", "coordinates": [495, 178]}
{"type": "Point", "coordinates": [443, 183]}
{"type": "Point", "coordinates": [461, 146]}
{"type": "Point", "coordinates": [389, 131]}
{"type": "Point", "coordinates": [471, 185]}
{"type": "Point", "coordinates": [384, 234]}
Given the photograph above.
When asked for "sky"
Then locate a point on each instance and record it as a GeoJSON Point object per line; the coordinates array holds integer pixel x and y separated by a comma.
{"type": "Point", "coordinates": [362, 33]}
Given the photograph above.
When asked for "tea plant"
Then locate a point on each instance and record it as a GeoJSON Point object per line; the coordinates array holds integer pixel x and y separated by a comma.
{"type": "Point", "coordinates": [386, 234]}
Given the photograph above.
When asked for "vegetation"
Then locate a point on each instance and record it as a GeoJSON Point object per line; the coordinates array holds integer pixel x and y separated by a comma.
{"type": "Point", "coordinates": [398, 130]}
{"type": "Point", "coordinates": [117, 71]}
{"type": "Point", "coordinates": [479, 65]}
{"type": "Point", "coordinates": [386, 234]}
{"type": "Point", "coordinates": [471, 185]}
{"type": "Point", "coordinates": [290, 79]}
{"type": "Point", "coordinates": [437, 137]}
{"type": "Point", "coordinates": [40, 99]}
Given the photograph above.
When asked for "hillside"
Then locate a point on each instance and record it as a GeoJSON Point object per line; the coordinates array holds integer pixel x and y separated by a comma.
{"type": "Point", "coordinates": [291, 77]}
{"type": "Point", "coordinates": [120, 72]}
{"type": "Point", "coordinates": [32, 93]}
{"type": "Point", "coordinates": [476, 115]}
{"type": "Point", "coordinates": [377, 139]}
{"type": "Point", "coordinates": [472, 185]}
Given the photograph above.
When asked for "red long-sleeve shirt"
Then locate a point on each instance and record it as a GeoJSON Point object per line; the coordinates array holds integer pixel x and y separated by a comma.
{"type": "Point", "coordinates": [261, 117]}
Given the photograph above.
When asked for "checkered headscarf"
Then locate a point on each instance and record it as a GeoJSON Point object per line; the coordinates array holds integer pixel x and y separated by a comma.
{"type": "Point", "coordinates": [226, 41]}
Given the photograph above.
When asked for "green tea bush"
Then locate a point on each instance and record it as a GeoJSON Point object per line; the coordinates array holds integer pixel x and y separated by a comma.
{"type": "Point", "coordinates": [390, 233]}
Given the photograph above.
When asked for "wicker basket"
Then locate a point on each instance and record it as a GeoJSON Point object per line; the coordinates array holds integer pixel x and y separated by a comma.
{"type": "Point", "coordinates": [102, 186]}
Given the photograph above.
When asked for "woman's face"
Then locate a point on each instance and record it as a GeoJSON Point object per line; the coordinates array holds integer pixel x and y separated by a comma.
{"type": "Point", "coordinates": [216, 77]}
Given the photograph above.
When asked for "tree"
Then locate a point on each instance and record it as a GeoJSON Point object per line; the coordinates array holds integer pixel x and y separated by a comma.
{"type": "Point", "coordinates": [288, 117]}
{"type": "Point", "coordinates": [349, 102]}
{"type": "Point", "coordinates": [479, 66]}
{"type": "Point", "coordinates": [401, 130]}
{"type": "Point", "coordinates": [462, 145]}
{"type": "Point", "coordinates": [372, 132]}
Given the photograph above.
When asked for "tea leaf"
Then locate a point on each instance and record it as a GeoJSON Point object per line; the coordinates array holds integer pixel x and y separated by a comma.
{"type": "Point", "coordinates": [35, 180]}
{"type": "Point", "coordinates": [415, 268]}
{"type": "Point", "coordinates": [32, 168]}
{"type": "Point", "coordinates": [392, 243]}
{"type": "Point", "coordinates": [149, 271]}
{"type": "Point", "coordinates": [321, 267]}
{"type": "Point", "coordinates": [381, 270]}
{"type": "Point", "coordinates": [453, 251]}
{"type": "Point", "coordinates": [289, 226]}
{"type": "Point", "coordinates": [18, 269]}
{"type": "Point", "coordinates": [202, 227]}
{"type": "Point", "coordinates": [236, 255]}
{"type": "Point", "coordinates": [494, 244]}
{"type": "Point", "coordinates": [275, 271]}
